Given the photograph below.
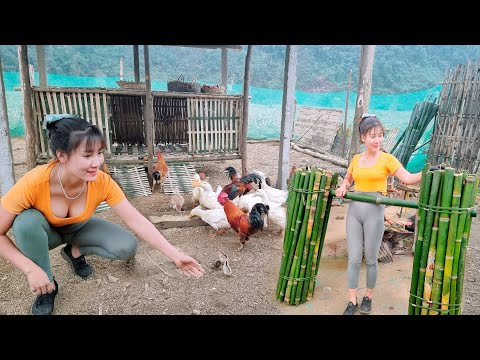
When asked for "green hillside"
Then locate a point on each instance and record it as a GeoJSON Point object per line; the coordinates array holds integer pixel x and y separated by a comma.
{"type": "Point", "coordinates": [397, 68]}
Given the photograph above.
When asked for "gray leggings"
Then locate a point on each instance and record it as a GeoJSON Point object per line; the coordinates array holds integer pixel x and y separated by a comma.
{"type": "Point", "coordinates": [365, 225]}
{"type": "Point", "coordinates": [34, 237]}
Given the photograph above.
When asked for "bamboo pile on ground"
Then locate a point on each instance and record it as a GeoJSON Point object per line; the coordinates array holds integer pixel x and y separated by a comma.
{"type": "Point", "coordinates": [447, 199]}
{"type": "Point", "coordinates": [308, 208]}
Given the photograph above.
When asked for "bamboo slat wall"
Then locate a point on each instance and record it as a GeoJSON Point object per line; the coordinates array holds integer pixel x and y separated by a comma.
{"type": "Point", "coordinates": [214, 125]}
{"type": "Point", "coordinates": [210, 124]}
{"type": "Point", "coordinates": [90, 105]}
{"type": "Point", "coordinates": [456, 137]}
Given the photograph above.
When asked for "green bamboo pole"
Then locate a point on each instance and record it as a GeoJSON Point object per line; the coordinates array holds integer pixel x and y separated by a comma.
{"type": "Point", "coordinates": [313, 270]}
{"type": "Point", "coordinates": [293, 196]}
{"type": "Point", "coordinates": [308, 237]}
{"type": "Point", "coordinates": [464, 216]}
{"type": "Point", "coordinates": [452, 234]}
{"type": "Point", "coordinates": [463, 250]}
{"type": "Point", "coordinates": [314, 239]}
{"type": "Point", "coordinates": [288, 236]}
{"type": "Point", "coordinates": [295, 270]}
{"type": "Point", "coordinates": [442, 239]}
{"type": "Point", "coordinates": [434, 179]}
{"type": "Point", "coordinates": [296, 231]}
{"type": "Point", "coordinates": [427, 287]}
{"type": "Point", "coordinates": [333, 184]}
{"type": "Point", "coordinates": [419, 241]}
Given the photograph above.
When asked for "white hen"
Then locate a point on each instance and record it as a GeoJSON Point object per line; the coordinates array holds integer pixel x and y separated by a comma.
{"type": "Point", "coordinates": [216, 218]}
{"type": "Point", "coordinates": [274, 195]}
{"type": "Point", "coordinates": [208, 199]}
{"type": "Point", "coordinates": [277, 213]}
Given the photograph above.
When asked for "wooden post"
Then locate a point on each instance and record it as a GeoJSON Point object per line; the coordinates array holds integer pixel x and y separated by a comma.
{"type": "Point", "coordinates": [121, 68]}
{"type": "Point", "coordinates": [288, 113]}
{"type": "Point", "coordinates": [246, 94]}
{"type": "Point", "coordinates": [363, 95]}
{"type": "Point", "coordinates": [224, 68]}
{"type": "Point", "coordinates": [136, 63]}
{"type": "Point", "coordinates": [148, 113]}
{"type": "Point", "coordinates": [7, 174]}
{"type": "Point", "coordinates": [42, 67]}
{"type": "Point", "coordinates": [346, 112]}
{"type": "Point", "coordinates": [30, 134]}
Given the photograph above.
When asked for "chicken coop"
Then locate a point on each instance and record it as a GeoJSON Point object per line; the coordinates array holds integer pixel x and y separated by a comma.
{"type": "Point", "coordinates": [186, 125]}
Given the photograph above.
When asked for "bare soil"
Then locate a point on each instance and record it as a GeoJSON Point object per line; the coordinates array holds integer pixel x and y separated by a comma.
{"type": "Point", "coordinates": [152, 284]}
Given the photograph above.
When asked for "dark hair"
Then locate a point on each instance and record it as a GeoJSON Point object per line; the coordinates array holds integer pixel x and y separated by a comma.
{"type": "Point", "coordinates": [68, 133]}
{"type": "Point", "coordinates": [368, 122]}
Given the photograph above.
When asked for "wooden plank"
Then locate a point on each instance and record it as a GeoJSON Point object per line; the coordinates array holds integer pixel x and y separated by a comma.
{"type": "Point", "coordinates": [180, 223]}
{"type": "Point", "coordinates": [202, 126]}
{"type": "Point", "coordinates": [197, 126]}
{"type": "Point", "coordinates": [85, 102]}
{"type": "Point", "coordinates": [230, 118]}
{"type": "Point", "coordinates": [235, 121]}
{"type": "Point", "coordinates": [92, 110]}
{"type": "Point", "coordinates": [75, 107]}
{"type": "Point", "coordinates": [107, 123]}
{"type": "Point", "coordinates": [189, 124]}
{"type": "Point", "coordinates": [62, 103]}
{"type": "Point", "coordinates": [215, 125]}
{"type": "Point", "coordinates": [69, 103]}
{"type": "Point", "coordinates": [50, 106]}
{"type": "Point", "coordinates": [222, 121]}
{"type": "Point", "coordinates": [80, 105]}
{"type": "Point", "coordinates": [55, 103]}
{"type": "Point", "coordinates": [99, 113]}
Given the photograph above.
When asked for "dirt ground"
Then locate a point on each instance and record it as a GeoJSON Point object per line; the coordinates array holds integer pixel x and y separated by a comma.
{"type": "Point", "coordinates": [152, 284]}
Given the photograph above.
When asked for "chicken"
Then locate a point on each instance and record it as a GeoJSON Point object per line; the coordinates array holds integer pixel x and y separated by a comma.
{"type": "Point", "coordinates": [277, 213]}
{"type": "Point", "coordinates": [232, 173]}
{"type": "Point", "coordinates": [274, 195]}
{"type": "Point", "coordinates": [290, 176]}
{"type": "Point", "coordinates": [245, 224]}
{"type": "Point", "coordinates": [208, 199]}
{"type": "Point", "coordinates": [160, 171]}
{"type": "Point", "coordinates": [177, 200]}
{"type": "Point", "coordinates": [239, 187]}
{"type": "Point", "coordinates": [216, 218]}
{"type": "Point", "coordinates": [246, 202]}
{"type": "Point", "coordinates": [196, 190]}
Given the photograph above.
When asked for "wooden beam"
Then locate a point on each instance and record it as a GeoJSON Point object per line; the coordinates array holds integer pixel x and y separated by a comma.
{"type": "Point", "coordinates": [42, 67]}
{"type": "Point", "coordinates": [363, 95]}
{"type": "Point", "coordinates": [136, 64]}
{"type": "Point", "coordinates": [288, 113]}
{"type": "Point", "coordinates": [7, 174]}
{"type": "Point", "coordinates": [230, 47]}
{"type": "Point", "coordinates": [148, 113]}
{"type": "Point", "coordinates": [224, 68]}
{"type": "Point", "coordinates": [30, 135]}
{"type": "Point", "coordinates": [246, 100]}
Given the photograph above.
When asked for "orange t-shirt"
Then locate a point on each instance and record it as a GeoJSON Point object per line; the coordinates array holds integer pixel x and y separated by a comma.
{"type": "Point", "coordinates": [373, 178]}
{"type": "Point", "coordinates": [33, 191]}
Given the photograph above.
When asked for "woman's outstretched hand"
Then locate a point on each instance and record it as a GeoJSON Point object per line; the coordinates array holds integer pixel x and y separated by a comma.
{"type": "Point", "coordinates": [189, 266]}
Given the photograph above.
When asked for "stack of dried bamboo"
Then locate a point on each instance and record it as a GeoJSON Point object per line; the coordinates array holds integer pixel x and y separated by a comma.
{"type": "Point", "coordinates": [308, 208]}
{"type": "Point", "coordinates": [447, 199]}
{"type": "Point", "coordinates": [423, 112]}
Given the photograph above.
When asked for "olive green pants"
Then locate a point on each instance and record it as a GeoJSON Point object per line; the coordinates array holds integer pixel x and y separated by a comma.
{"type": "Point", "coordinates": [35, 236]}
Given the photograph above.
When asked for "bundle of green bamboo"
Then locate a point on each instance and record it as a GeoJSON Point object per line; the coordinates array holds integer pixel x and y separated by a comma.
{"type": "Point", "coordinates": [423, 112]}
{"type": "Point", "coordinates": [447, 199]}
{"type": "Point", "coordinates": [308, 208]}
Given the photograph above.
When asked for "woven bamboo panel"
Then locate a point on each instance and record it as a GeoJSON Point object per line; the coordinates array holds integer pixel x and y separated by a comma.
{"type": "Point", "coordinates": [179, 175]}
{"type": "Point", "coordinates": [132, 179]}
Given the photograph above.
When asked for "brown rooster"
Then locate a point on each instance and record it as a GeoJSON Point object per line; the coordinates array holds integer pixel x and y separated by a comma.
{"type": "Point", "coordinates": [239, 187]}
{"type": "Point", "coordinates": [160, 170]}
{"type": "Point", "coordinates": [245, 224]}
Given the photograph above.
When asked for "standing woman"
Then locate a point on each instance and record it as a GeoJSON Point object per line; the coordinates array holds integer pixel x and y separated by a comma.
{"type": "Point", "coordinates": [53, 204]}
{"type": "Point", "coordinates": [365, 221]}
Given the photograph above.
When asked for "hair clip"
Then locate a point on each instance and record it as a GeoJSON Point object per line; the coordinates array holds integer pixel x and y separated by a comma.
{"type": "Point", "coordinates": [51, 118]}
{"type": "Point", "coordinates": [367, 115]}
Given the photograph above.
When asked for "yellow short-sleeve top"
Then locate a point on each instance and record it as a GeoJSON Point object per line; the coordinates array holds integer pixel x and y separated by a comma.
{"type": "Point", "coordinates": [373, 178]}
{"type": "Point", "coordinates": [33, 191]}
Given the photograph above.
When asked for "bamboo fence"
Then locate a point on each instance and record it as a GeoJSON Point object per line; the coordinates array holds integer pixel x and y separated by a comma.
{"type": "Point", "coordinates": [445, 210]}
{"type": "Point", "coordinates": [308, 208]}
{"type": "Point", "coordinates": [423, 112]}
{"type": "Point", "coordinates": [455, 136]}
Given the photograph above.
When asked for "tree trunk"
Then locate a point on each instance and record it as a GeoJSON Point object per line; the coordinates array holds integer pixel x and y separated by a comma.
{"type": "Point", "coordinates": [42, 67]}
{"type": "Point", "coordinates": [288, 113]}
{"type": "Point", "coordinates": [30, 137]}
{"type": "Point", "coordinates": [246, 101]}
{"type": "Point", "coordinates": [363, 95]}
{"type": "Point", "coordinates": [7, 175]}
{"type": "Point", "coordinates": [148, 114]}
{"type": "Point", "coordinates": [224, 68]}
{"type": "Point", "coordinates": [136, 64]}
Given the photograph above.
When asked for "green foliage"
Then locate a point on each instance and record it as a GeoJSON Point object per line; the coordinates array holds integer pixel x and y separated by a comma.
{"type": "Point", "coordinates": [397, 68]}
